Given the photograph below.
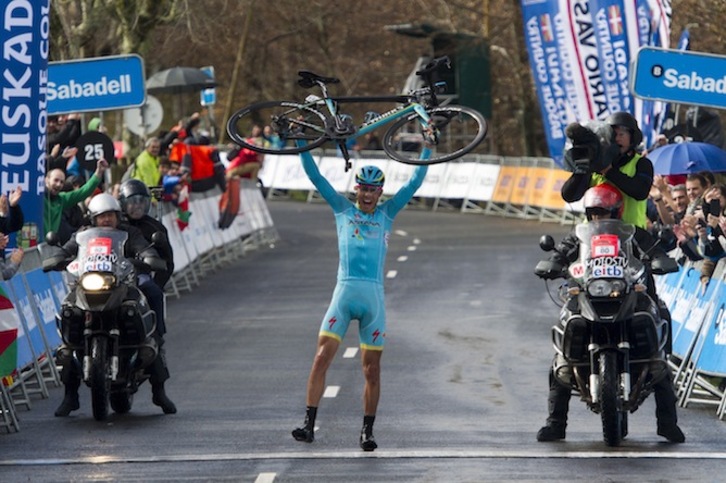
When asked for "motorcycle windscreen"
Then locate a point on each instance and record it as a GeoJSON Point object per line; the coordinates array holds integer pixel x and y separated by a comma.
{"type": "Point", "coordinates": [606, 251]}
{"type": "Point", "coordinates": [100, 249]}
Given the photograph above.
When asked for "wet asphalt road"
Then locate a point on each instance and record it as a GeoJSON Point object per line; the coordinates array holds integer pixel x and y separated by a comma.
{"type": "Point", "coordinates": [464, 376]}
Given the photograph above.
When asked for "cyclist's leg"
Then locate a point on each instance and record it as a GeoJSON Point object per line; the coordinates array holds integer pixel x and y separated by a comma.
{"type": "Point", "coordinates": [372, 335]}
{"type": "Point", "coordinates": [332, 330]}
{"type": "Point", "coordinates": [371, 360]}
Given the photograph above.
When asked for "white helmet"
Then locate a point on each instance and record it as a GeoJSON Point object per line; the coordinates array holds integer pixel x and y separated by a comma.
{"type": "Point", "coordinates": [103, 203]}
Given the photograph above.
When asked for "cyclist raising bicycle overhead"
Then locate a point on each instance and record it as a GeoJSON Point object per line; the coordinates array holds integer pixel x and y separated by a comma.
{"type": "Point", "coordinates": [363, 232]}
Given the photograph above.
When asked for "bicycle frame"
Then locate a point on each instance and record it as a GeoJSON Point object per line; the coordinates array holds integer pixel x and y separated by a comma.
{"type": "Point", "coordinates": [414, 127]}
{"type": "Point", "coordinates": [391, 115]}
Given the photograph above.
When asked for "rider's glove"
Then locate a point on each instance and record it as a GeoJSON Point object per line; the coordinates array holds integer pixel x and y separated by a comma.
{"type": "Point", "coordinates": [549, 270]}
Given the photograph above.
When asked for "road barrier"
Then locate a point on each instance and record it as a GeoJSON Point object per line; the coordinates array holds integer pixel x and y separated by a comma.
{"type": "Point", "coordinates": [526, 188]}
{"type": "Point", "coordinates": [30, 300]}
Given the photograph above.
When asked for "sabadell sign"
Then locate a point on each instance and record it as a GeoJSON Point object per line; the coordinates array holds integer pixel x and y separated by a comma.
{"type": "Point", "coordinates": [97, 84]}
{"type": "Point", "coordinates": [680, 76]}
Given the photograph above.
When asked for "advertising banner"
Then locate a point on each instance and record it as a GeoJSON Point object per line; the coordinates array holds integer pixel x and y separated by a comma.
{"type": "Point", "coordinates": [96, 84]}
{"type": "Point", "coordinates": [580, 52]}
{"type": "Point", "coordinates": [24, 83]}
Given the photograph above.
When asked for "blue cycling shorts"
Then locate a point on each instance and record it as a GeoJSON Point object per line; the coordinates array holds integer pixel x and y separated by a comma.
{"type": "Point", "coordinates": [361, 300]}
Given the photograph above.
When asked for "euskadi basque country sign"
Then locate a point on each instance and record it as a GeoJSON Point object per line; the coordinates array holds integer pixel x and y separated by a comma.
{"type": "Point", "coordinates": [96, 84]}
{"type": "Point", "coordinates": [680, 76]}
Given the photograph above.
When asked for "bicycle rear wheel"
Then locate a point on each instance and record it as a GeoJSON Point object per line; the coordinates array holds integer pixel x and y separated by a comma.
{"type": "Point", "coordinates": [289, 121]}
{"type": "Point", "coordinates": [457, 130]}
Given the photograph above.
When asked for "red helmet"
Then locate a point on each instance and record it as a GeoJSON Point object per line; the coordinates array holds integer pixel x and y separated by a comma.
{"type": "Point", "coordinates": [604, 197]}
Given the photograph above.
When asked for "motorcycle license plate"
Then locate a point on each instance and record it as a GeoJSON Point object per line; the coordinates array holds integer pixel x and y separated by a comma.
{"type": "Point", "coordinates": [604, 246]}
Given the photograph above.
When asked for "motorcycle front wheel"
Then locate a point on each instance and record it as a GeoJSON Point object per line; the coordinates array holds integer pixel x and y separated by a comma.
{"type": "Point", "coordinates": [609, 411]}
{"type": "Point", "coordinates": [98, 378]}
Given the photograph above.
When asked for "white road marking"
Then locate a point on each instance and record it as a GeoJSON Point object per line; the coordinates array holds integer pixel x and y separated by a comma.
{"type": "Point", "coordinates": [350, 352]}
{"type": "Point", "coordinates": [475, 303]}
{"type": "Point", "coordinates": [416, 241]}
{"type": "Point", "coordinates": [402, 258]}
{"type": "Point", "coordinates": [380, 454]}
{"type": "Point", "coordinates": [391, 274]}
{"type": "Point", "coordinates": [331, 391]}
{"type": "Point", "coordinates": [265, 477]}
{"type": "Point", "coordinates": [401, 232]}
{"type": "Point", "coordinates": [411, 248]}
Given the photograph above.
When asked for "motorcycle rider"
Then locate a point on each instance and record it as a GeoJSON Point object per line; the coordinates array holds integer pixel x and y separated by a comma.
{"type": "Point", "coordinates": [602, 202]}
{"type": "Point", "coordinates": [105, 211]}
{"type": "Point", "coordinates": [135, 201]}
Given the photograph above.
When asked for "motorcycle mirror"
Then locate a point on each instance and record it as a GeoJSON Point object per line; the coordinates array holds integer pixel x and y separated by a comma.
{"type": "Point", "coordinates": [547, 243]}
{"type": "Point", "coordinates": [158, 238]}
{"type": "Point", "coordinates": [664, 265]}
{"type": "Point", "coordinates": [51, 238]}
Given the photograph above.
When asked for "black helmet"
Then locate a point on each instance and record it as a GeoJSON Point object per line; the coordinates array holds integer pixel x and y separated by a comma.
{"type": "Point", "coordinates": [626, 120]}
{"type": "Point", "coordinates": [134, 190]}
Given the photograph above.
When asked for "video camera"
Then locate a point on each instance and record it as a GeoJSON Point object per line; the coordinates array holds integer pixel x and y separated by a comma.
{"type": "Point", "coordinates": [590, 147]}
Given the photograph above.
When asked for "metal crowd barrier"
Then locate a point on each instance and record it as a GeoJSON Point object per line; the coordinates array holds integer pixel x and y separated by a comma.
{"type": "Point", "coordinates": [516, 187]}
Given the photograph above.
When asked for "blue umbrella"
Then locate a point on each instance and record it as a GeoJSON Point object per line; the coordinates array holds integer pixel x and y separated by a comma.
{"type": "Point", "coordinates": [688, 157]}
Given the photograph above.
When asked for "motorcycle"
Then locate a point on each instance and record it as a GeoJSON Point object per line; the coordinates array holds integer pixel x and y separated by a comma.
{"type": "Point", "coordinates": [610, 340]}
{"type": "Point", "coordinates": [105, 317]}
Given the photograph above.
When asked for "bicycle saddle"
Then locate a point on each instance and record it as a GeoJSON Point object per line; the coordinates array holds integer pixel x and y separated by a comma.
{"type": "Point", "coordinates": [434, 65]}
{"type": "Point", "coordinates": [308, 79]}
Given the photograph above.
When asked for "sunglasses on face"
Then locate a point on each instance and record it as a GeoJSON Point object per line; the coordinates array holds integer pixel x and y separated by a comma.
{"type": "Point", "coordinates": [368, 188]}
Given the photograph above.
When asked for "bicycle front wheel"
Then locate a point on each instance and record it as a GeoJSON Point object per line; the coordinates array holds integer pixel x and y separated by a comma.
{"type": "Point", "coordinates": [289, 122]}
{"type": "Point", "coordinates": [452, 132]}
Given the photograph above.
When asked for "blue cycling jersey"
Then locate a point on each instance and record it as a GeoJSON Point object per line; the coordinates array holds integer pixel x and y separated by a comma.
{"type": "Point", "coordinates": [362, 237]}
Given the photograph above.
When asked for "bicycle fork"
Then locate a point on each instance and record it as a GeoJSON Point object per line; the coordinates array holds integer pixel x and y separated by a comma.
{"type": "Point", "coordinates": [429, 132]}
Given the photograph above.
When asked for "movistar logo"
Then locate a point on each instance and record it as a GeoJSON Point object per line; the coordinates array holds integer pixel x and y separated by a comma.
{"type": "Point", "coordinates": [693, 82]}
{"type": "Point", "coordinates": [103, 87]}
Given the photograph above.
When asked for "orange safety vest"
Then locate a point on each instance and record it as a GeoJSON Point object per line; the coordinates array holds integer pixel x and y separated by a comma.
{"type": "Point", "coordinates": [197, 159]}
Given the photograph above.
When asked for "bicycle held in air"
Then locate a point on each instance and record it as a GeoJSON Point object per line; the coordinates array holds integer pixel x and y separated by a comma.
{"type": "Point", "coordinates": [421, 129]}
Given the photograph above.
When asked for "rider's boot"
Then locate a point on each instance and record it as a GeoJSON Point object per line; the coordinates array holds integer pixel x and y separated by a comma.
{"type": "Point", "coordinates": [160, 398]}
{"type": "Point", "coordinates": [306, 433]}
{"type": "Point", "coordinates": [70, 399]}
{"type": "Point", "coordinates": [71, 377]}
{"type": "Point", "coordinates": [367, 441]}
{"type": "Point", "coordinates": [558, 403]}
{"type": "Point", "coordinates": [665, 410]}
{"type": "Point", "coordinates": [158, 374]}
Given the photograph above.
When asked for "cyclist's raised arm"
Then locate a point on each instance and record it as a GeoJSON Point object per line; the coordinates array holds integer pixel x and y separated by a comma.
{"type": "Point", "coordinates": [326, 190]}
{"type": "Point", "coordinates": [404, 195]}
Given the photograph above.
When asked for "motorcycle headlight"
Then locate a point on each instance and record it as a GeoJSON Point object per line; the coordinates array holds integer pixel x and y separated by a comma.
{"type": "Point", "coordinates": [94, 282]}
{"type": "Point", "coordinates": [606, 288]}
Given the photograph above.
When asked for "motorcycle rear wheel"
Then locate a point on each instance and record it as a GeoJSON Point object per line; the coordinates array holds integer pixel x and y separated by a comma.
{"type": "Point", "coordinates": [121, 401]}
{"type": "Point", "coordinates": [98, 378]}
{"type": "Point", "coordinates": [609, 412]}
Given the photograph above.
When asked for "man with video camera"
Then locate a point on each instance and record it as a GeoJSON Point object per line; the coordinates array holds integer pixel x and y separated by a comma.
{"type": "Point", "coordinates": [628, 171]}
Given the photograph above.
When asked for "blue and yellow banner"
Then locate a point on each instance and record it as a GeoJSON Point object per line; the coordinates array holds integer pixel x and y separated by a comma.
{"type": "Point", "coordinates": [23, 83]}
